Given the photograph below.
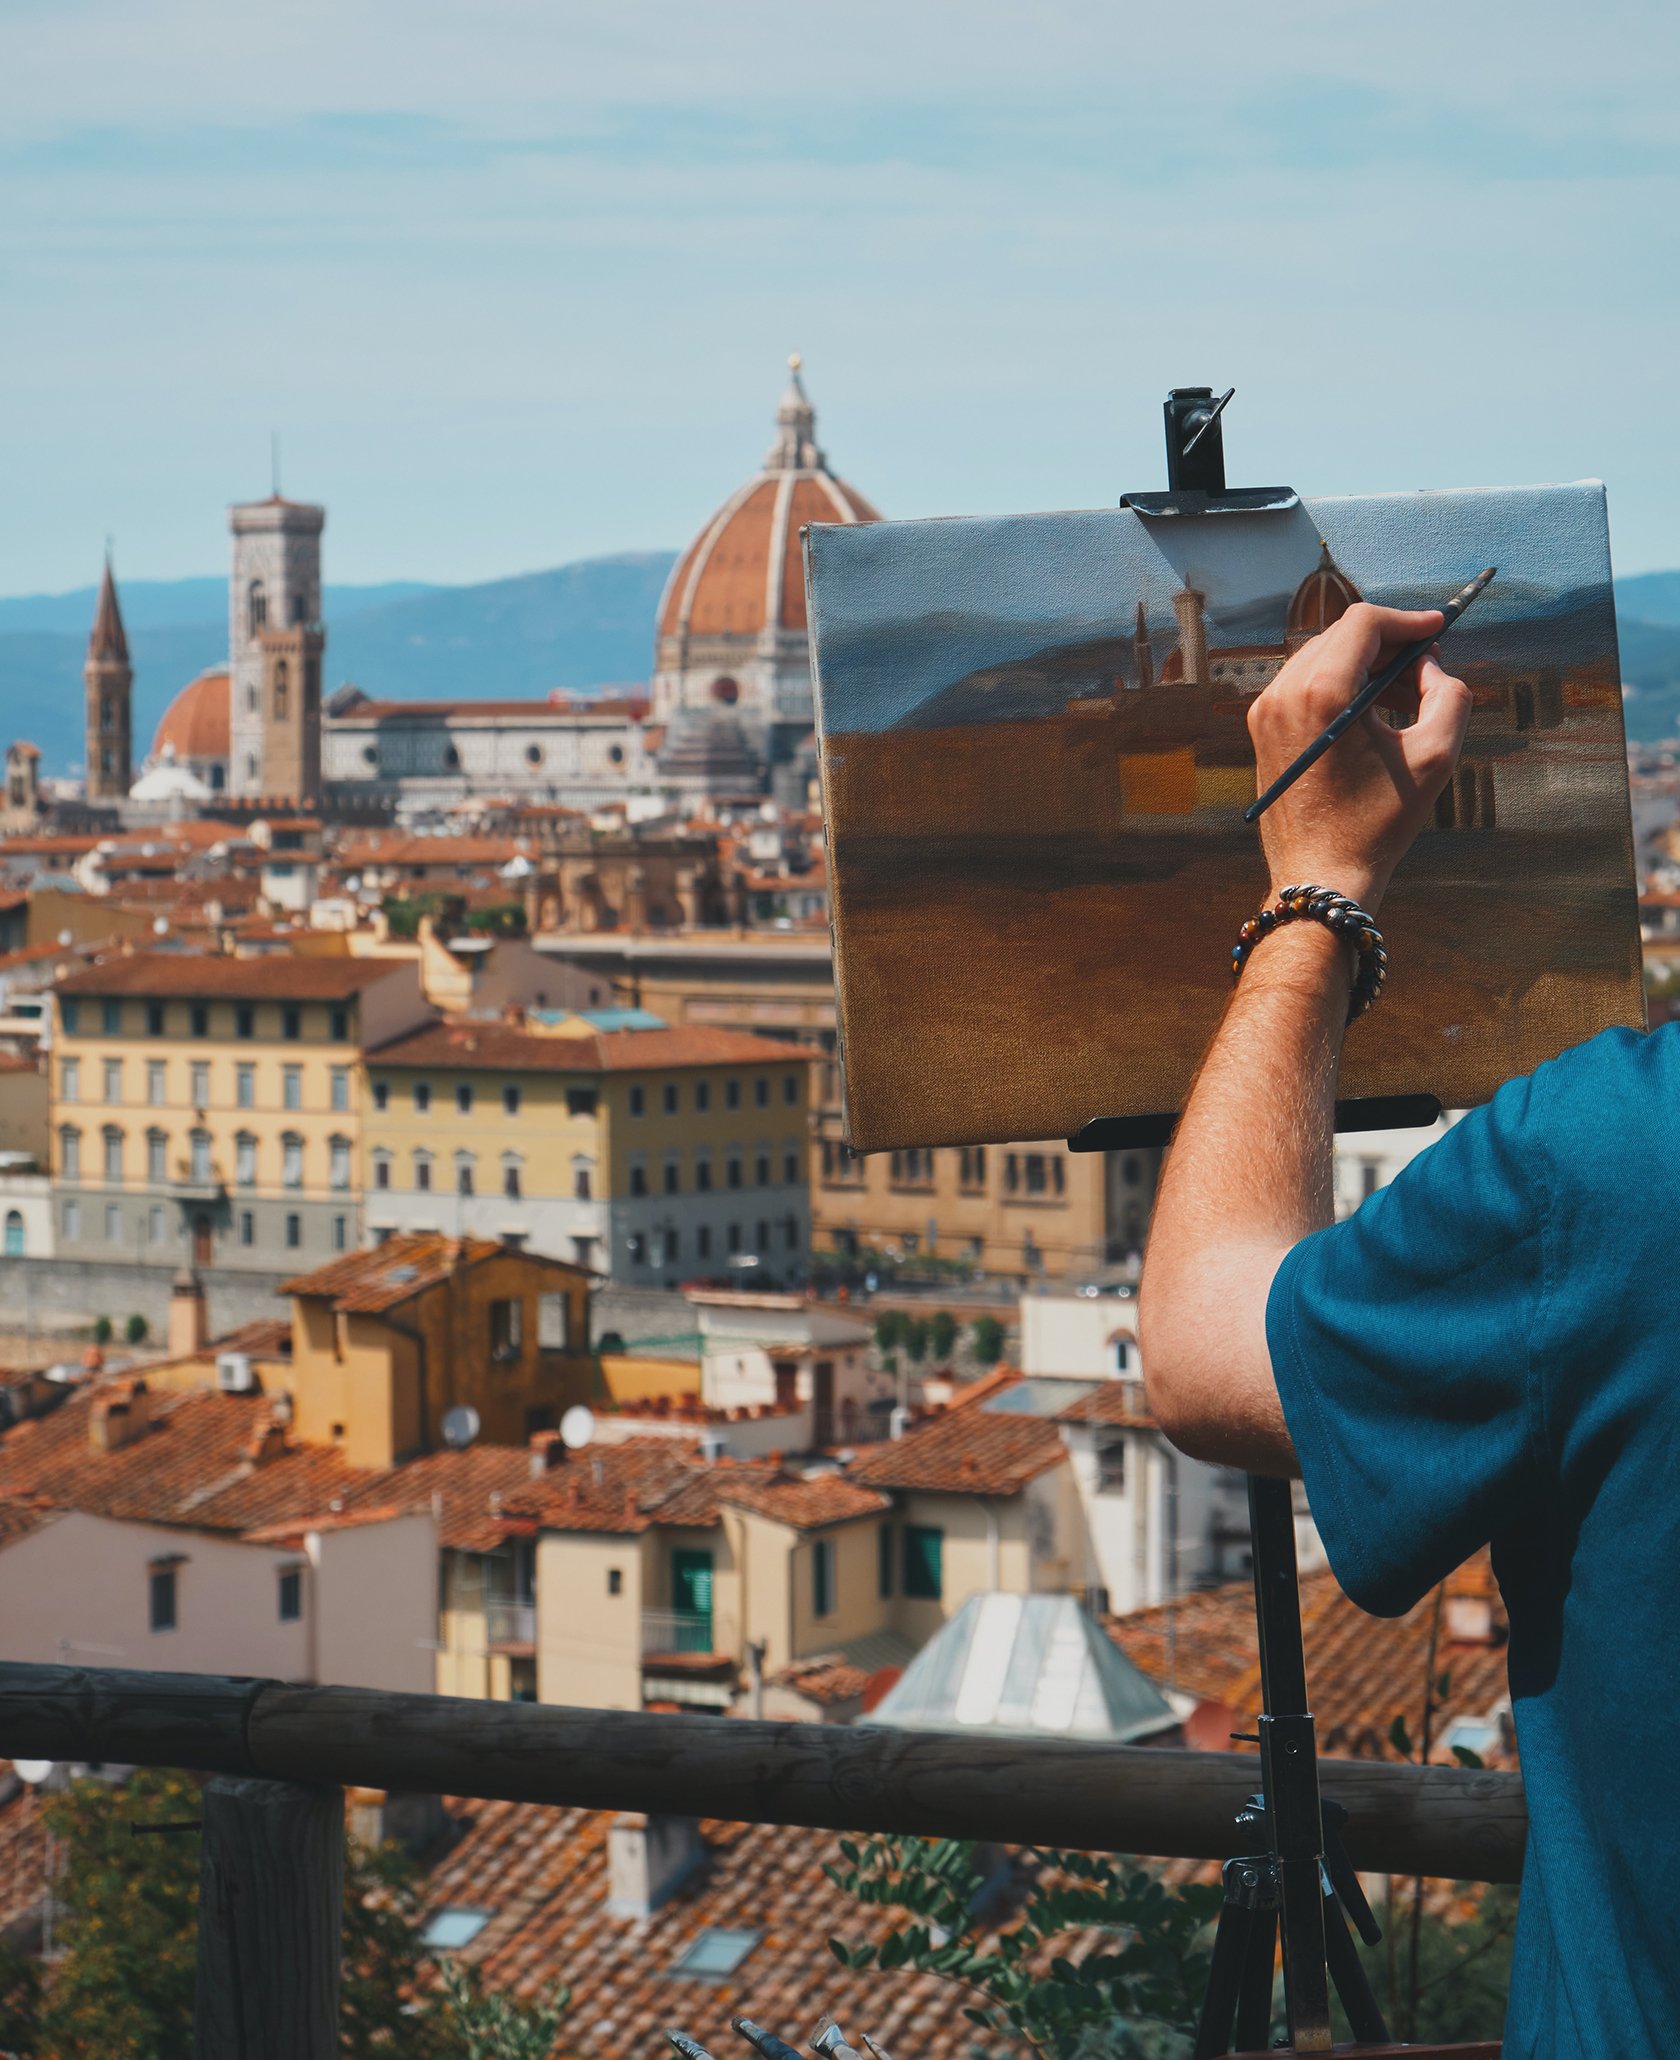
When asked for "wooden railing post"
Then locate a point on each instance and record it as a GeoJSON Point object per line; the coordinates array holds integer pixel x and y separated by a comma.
{"type": "Point", "coordinates": [270, 1908]}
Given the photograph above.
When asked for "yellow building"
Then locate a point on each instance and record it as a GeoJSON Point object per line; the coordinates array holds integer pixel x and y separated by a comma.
{"type": "Point", "coordinates": [387, 1343]}
{"type": "Point", "coordinates": [652, 1154]}
{"type": "Point", "coordinates": [214, 1105]}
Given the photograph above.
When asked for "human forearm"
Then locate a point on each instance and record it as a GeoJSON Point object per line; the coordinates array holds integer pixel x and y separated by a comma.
{"type": "Point", "coordinates": [1248, 1175]}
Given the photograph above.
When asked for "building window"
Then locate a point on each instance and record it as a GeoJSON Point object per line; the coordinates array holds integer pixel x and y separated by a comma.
{"type": "Point", "coordinates": [113, 1080]}
{"type": "Point", "coordinates": [510, 1179]}
{"type": "Point", "coordinates": [615, 1580]}
{"type": "Point", "coordinates": [291, 1160]}
{"type": "Point", "coordinates": [732, 1094]}
{"type": "Point", "coordinates": [72, 1218]}
{"type": "Point", "coordinates": [161, 1599]}
{"type": "Point", "coordinates": [464, 1097]}
{"type": "Point", "coordinates": [200, 1084]}
{"type": "Point", "coordinates": [340, 1233]}
{"type": "Point", "coordinates": [155, 1233]}
{"type": "Point", "coordinates": [884, 1562]}
{"type": "Point", "coordinates": [971, 1166]}
{"type": "Point", "coordinates": [294, 1232]}
{"type": "Point", "coordinates": [703, 1241]}
{"type": "Point", "coordinates": [113, 1224]}
{"type": "Point", "coordinates": [761, 1169]}
{"type": "Point", "coordinates": [157, 1083]}
{"type": "Point", "coordinates": [245, 1020]}
{"type": "Point", "coordinates": [70, 1153]}
{"type": "Point", "coordinates": [703, 1169]}
{"type": "Point", "coordinates": [69, 1080]}
{"type": "Point", "coordinates": [668, 1097]}
{"type": "Point", "coordinates": [822, 1577]}
{"type": "Point", "coordinates": [381, 1169]}
{"type": "Point", "coordinates": [1111, 1468]}
{"type": "Point", "coordinates": [702, 1096]}
{"type": "Point", "coordinates": [924, 1562]}
{"type": "Point", "coordinates": [339, 1026]}
{"type": "Point", "coordinates": [422, 1096]}
{"type": "Point", "coordinates": [790, 1166]}
{"type": "Point", "coordinates": [790, 1089]}
{"type": "Point", "coordinates": [113, 1142]}
{"type": "Point", "coordinates": [256, 607]}
{"type": "Point", "coordinates": [245, 1087]}
{"type": "Point", "coordinates": [291, 1594]}
{"type": "Point", "coordinates": [198, 1145]}
{"type": "Point", "coordinates": [157, 1157]}
{"type": "Point", "coordinates": [381, 1095]}
{"type": "Point", "coordinates": [291, 1087]}
{"type": "Point", "coordinates": [510, 1098]}
{"type": "Point", "coordinates": [583, 1180]}
{"type": "Point", "coordinates": [673, 1174]}
{"type": "Point", "coordinates": [198, 1017]}
{"type": "Point", "coordinates": [464, 1163]}
{"type": "Point", "coordinates": [580, 1101]}
{"type": "Point", "coordinates": [638, 1176]}
{"type": "Point", "coordinates": [245, 1159]}
{"type": "Point", "coordinates": [154, 1019]}
{"type": "Point", "coordinates": [423, 1172]}
{"type": "Point", "coordinates": [506, 1329]}
{"type": "Point", "coordinates": [732, 1169]}
{"type": "Point", "coordinates": [638, 1248]}
{"type": "Point", "coordinates": [338, 1162]}
{"type": "Point", "coordinates": [291, 1022]}
{"type": "Point", "coordinates": [247, 1227]}
{"type": "Point", "coordinates": [638, 1100]}
{"type": "Point", "coordinates": [554, 1323]}
{"type": "Point", "coordinates": [761, 1092]}
{"type": "Point", "coordinates": [790, 1232]}
{"type": "Point", "coordinates": [1011, 1172]}
{"type": "Point", "coordinates": [1037, 1178]}
{"type": "Point", "coordinates": [761, 1241]}
{"type": "Point", "coordinates": [340, 1087]}
{"type": "Point", "coordinates": [281, 686]}
{"type": "Point", "coordinates": [69, 1014]}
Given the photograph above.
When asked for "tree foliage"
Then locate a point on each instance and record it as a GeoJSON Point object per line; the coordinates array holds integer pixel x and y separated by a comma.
{"type": "Point", "coordinates": [987, 1335]}
{"type": "Point", "coordinates": [1099, 1957]}
{"type": "Point", "coordinates": [482, 2025]}
{"type": "Point", "coordinates": [943, 1333]}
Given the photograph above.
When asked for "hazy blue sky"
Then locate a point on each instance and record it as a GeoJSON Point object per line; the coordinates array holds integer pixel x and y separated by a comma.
{"type": "Point", "coordinates": [514, 279]}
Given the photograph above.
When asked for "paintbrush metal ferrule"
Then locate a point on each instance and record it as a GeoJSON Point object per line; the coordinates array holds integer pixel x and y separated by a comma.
{"type": "Point", "coordinates": [1370, 694]}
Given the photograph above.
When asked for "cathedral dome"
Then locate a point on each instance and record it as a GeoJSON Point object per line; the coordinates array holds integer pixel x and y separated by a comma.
{"type": "Point", "coordinates": [743, 573]}
{"type": "Point", "coordinates": [1323, 597]}
{"type": "Point", "coordinates": [195, 725]}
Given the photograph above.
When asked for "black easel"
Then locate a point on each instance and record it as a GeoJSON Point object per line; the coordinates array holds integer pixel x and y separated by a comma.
{"type": "Point", "coordinates": [1298, 1880]}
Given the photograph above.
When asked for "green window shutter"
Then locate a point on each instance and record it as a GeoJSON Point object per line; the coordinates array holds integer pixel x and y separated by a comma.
{"type": "Point", "coordinates": [924, 1557]}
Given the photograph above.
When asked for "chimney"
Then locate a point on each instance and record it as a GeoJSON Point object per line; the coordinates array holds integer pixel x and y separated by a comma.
{"type": "Point", "coordinates": [548, 1449]}
{"type": "Point", "coordinates": [118, 1416]}
{"type": "Point", "coordinates": [266, 1444]}
{"type": "Point", "coordinates": [379, 1816]}
{"type": "Point", "coordinates": [648, 1860]}
{"type": "Point", "coordinates": [1468, 1620]}
{"type": "Point", "coordinates": [189, 1328]}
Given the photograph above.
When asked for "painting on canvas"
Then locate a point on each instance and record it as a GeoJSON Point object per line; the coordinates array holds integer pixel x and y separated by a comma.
{"type": "Point", "coordinates": [1035, 759]}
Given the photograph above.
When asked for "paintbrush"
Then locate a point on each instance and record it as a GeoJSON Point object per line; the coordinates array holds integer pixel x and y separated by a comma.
{"type": "Point", "coordinates": [1369, 695]}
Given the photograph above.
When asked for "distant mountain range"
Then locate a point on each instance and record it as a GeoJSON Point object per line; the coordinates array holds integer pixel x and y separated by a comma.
{"type": "Point", "coordinates": [580, 626]}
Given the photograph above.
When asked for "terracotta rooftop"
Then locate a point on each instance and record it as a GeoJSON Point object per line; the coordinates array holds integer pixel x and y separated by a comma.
{"type": "Point", "coordinates": [1116, 1403]}
{"type": "Point", "coordinates": [192, 1465]}
{"type": "Point", "coordinates": [217, 977]}
{"type": "Point", "coordinates": [401, 1268]}
{"type": "Point", "coordinates": [542, 1876]}
{"type": "Point", "coordinates": [505, 1048]}
{"type": "Point", "coordinates": [804, 1504]}
{"type": "Point", "coordinates": [966, 1450]}
{"type": "Point", "coordinates": [1362, 1671]}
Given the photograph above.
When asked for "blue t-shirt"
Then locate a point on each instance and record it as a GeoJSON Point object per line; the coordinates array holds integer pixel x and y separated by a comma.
{"type": "Point", "coordinates": [1490, 1350]}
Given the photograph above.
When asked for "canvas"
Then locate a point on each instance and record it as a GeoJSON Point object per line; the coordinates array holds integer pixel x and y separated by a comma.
{"type": "Point", "coordinates": [1035, 759]}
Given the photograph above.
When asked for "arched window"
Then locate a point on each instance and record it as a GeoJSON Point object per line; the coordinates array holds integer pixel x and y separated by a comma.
{"type": "Point", "coordinates": [291, 1160]}
{"type": "Point", "coordinates": [422, 1171]}
{"type": "Point", "coordinates": [282, 690]}
{"type": "Point", "coordinates": [464, 1166]}
{"type": "Point", "coordinates": [256, 606]}
{"type": "Point", "coordinates": [113, 1141]}
{"type": "Point", "coordinates": [512, 1166]}
{"type": "Point", "coordinates": [253, 701]}
{"type": "Point", "coordinates": [338, 1162]}
{"type": "Point", "coordinates": [14, 1233]}
{"type": "Point", "coordinates": [70, 1153]}
{"type": "Point", "coordinates": [300, 607]}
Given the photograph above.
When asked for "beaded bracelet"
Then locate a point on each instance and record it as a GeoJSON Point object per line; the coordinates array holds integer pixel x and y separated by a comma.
{"type": "Point", "coordinates": [1342, 917]}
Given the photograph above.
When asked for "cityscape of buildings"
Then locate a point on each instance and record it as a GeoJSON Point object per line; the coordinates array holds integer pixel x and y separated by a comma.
{"type": "Point", "coordinates": [433, 1261]}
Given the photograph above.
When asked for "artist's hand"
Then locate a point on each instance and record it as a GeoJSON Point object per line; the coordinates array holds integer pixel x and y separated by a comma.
{"type": "Point", "coordinates": [1348, 820]}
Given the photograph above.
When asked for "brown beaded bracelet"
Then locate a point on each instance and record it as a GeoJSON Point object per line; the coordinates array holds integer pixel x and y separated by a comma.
{"type": "Point", "coordinates": [1342, 917]}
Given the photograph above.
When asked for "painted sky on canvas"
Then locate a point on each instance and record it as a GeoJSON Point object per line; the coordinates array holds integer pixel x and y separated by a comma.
{"type": "Point", "coordinates": [515, 282]}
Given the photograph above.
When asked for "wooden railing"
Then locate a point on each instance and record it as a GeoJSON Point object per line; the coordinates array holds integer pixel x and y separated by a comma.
{"type": "Point", "coordinates": [272, 1853]}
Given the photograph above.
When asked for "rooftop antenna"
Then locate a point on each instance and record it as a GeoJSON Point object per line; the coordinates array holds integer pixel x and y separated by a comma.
{"type": "Point", "coordinates": [274, 462]}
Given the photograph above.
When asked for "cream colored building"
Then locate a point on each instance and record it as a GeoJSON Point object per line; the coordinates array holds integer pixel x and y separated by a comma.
{"type": "Point", "coordinates": [212, 1106]}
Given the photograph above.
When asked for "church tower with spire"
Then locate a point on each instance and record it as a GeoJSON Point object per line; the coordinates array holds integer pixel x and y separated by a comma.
{"type": "Point", "coordinates": [109, 679]}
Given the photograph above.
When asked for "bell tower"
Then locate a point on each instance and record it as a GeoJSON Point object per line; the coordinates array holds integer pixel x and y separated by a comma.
{"type": "Point", "coordinates": [109, 679]}
{"type": "Point", "coordinates": [276, 642]}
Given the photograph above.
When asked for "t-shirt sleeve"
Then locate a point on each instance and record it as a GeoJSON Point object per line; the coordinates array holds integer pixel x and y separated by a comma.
{"type": "Point", "coordinates": [1401, 1346]}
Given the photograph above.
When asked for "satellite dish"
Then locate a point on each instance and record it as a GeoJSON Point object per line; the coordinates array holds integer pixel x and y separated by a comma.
{"type": "Point", "coordinates": [577, 1427]}
{"type": "Point", "coordinates": [65, 939]}
{"type": "Point", "coordinates": [160, 926]}
{"type": "Point", "coordinates": [33, 1771]}
{"type": "Point", "coordinates": [460, 1427]}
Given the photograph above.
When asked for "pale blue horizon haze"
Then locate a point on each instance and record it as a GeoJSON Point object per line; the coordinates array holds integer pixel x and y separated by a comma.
{"type": "Point", "coordinates": [515, 284]}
